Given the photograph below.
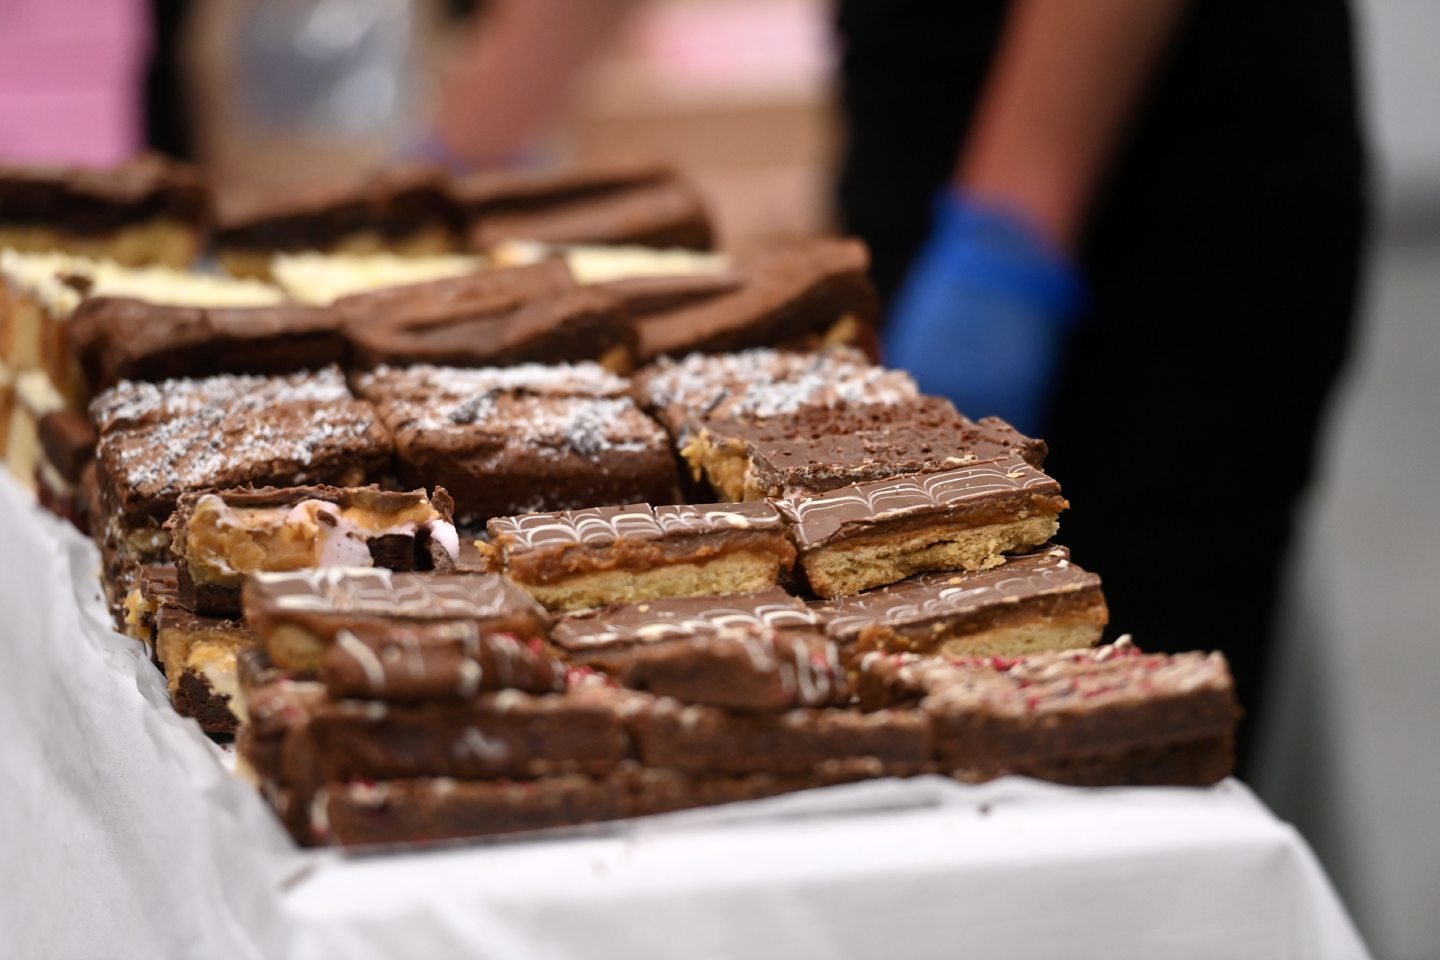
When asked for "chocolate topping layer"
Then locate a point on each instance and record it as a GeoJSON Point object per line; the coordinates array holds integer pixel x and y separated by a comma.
{"type": "Point", "coordinates": [816, 449]}
{"type": "Point", "coordinates": [393, 203]}
{"type": "Point", "coordinates": [863, 507]}
{"type": "Point", "coordinates": [763, 382]}
{"type": "Point", "coordinates": [537, 438]}
{"type": "Point", "coordinates": [606, 526]}
{"type": "Point", "coordinates": [330, 595]}
{"type": "Point", "coordinates": [931, 598]}
{"type": "Point", "coordinates": [787, 295]}
{"type": "Point", "coordinates": [616, 203]}
{"type": "Point", "coordinates": [640, 623]}
{"type": "Point", "coordinates": [118, 338]}
{"type": "Point", "coordinates": [576, 324]}
{"type": "Point", "coordinates": [95, 200]}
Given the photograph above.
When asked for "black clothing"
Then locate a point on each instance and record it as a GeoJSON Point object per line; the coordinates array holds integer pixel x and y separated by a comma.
{"type": "Point", "coordinates": [1223, 258]}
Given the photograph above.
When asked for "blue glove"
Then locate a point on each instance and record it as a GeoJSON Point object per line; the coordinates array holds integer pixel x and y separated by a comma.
{"type": "Point", "coordinates": [984, 314]}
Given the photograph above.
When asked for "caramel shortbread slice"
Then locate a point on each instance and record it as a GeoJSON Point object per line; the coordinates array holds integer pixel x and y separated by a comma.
{"type": "Point", "coordinates": [870, 534]}
{"type": "Point", "coordinates": [817, 448]}
{"type": "Point", "coordinates": [573, 559]}
{"type": "Point", "coordinates": [220, 536]}
{"type": "Point", "coordinates": [1030, 603]}
{"type": "Point", "coordinates": [300, 616]}
{"type": "Point", "coordinates": [1111, 715]}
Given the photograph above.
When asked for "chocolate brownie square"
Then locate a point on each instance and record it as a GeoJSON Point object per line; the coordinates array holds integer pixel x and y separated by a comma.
{"type": "Point", "coordinates": [521, 439]}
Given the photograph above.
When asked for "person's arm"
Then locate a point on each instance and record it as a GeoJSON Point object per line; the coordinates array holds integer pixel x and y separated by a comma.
{"type": "Point", "coordinates": [515, 73]}
{"type": "Point", "coordinates": [988, 304]}
{"type": "Point", "coordinates": [1066, 80]}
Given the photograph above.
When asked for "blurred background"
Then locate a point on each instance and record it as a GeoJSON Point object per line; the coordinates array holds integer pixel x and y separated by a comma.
{"type": "Point", "coordinates": [737, 92]}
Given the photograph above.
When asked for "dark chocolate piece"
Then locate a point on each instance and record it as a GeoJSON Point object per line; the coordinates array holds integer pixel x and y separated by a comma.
{"type": "Point", "coordinates": [118, 338]}
{"type": "Point", "coordinates": [539, 439]}
{"type": "Point", "coordinates": [301, 615]}
{"type": "Point", "coordinates": [1002, 715]}
{"type": "Point", "coordinates": [789, 295]}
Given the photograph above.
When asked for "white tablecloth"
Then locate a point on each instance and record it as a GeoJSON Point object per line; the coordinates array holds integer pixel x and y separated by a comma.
{"type": "Point", "coordinates": [124, 835]}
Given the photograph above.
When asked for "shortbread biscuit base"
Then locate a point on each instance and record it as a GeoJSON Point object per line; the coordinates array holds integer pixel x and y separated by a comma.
{"type": "Point", "coordinates": [740, 572]}
{"type": "Point", "coordinates": [166, 242]}
{"type": "Point", "coordinates": [845, 568]}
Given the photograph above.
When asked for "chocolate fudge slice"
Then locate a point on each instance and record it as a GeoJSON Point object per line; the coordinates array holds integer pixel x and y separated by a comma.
{"type": "Point", "coordinates": [219, 536]}
{"type": "Point", "coordinates": [809, 293]}
{"type": "Point", "coordinates": [403, 210]}
{"type": "Point", "coordinates": [1108, 715]}
{"type": "Point", "coordinates": [445, 660]}
{"type": "Point", "coordinates": [594, 636]}
{"type": "Point", "coordinates": [121, 338]}
{"type": "Point", "coordinates": [425, 810]}
{"type": "Point", "coordinates": [161, 440]}
{"type": "Point", "coordinates": [611, 204]}
{"type": "Point", "coordinates": [817, 449]}
{"type": "Point", "coordinates": [272, 703]}
{"type": "Point", "coordinates": [764, 382]}
{"type": "Point", "coordinates": [149, 210]}
{"type": "Point", "coordinates": [710, 740]}
{"type": "Point", "coordinates": [738, 668]}
{"type": "Point", "coordinates": [504, 734]}
{"type": "Point", "coordinates": [1030, 603]}
{"type": "Point", "coordinates": [573, 559]}
{"type": "Point", "coordinates": [539, 438]}
{"type": "Point", "coordinates": [493, 318]}
{"type": "Point", "coordinates": [300, 616]}
{"type": "Point", "coordinates": [753, 651]}
{"type": "Point", "coordinates": [870, 534]}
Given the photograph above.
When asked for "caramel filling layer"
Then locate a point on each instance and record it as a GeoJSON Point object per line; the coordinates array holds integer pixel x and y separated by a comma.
{"type": "Point", "coordinates": [559, 563]}
{"type": "Point", "coordinates": [225, 542]}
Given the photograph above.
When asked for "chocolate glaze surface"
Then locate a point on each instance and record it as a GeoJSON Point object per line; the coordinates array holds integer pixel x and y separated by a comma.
{"type": "Point", "coordinates": [862, 507]}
